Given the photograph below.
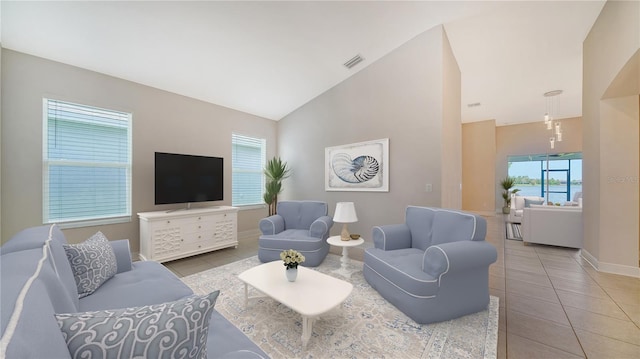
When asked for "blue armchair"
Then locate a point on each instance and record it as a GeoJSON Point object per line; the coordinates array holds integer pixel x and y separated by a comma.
{"type": "Point", "coordinates": [300, 225]}
{"type": "Point", "coordinates": [435, 266]}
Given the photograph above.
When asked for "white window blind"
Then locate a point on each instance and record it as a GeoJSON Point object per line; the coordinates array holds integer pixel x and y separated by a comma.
{"type": "Point", "coordinates": [248, 159]}
{"type": "Point", "coordinates": [86, 164]}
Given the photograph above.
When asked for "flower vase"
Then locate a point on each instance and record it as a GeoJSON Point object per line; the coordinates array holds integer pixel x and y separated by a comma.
{"type": "Point", "coordinates": [291, 273]}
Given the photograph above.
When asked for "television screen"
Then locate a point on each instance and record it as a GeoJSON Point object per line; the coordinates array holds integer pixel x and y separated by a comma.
{"type": "Point", "coordinates": [188, 178]}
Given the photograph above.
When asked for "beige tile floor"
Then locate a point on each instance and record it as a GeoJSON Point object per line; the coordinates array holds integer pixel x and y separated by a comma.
{"type": "Point", "coordinates": [552, 303]}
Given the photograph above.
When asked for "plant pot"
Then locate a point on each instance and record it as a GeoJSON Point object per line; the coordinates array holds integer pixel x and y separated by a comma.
{"type": "Point", "coordinates": [506, 210]}
{"type": "Point", "coordinates": [292, 274]}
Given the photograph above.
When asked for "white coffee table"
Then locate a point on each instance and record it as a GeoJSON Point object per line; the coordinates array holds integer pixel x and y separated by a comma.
{"type": "Point", "coordinates": [344, 261]}
{"type": "Point", "coordinates": [311, 295]}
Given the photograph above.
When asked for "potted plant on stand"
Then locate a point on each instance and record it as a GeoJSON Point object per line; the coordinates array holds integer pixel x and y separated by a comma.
{"type": "Point", "coordinates": [507, 184]}
{"type": "Point", "coordinates": [276, 170]}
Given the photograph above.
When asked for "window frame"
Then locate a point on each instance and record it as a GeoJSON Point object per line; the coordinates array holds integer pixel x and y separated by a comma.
{"type": "Point", "coordinates": [263, 153]}
{"type": "Point", "coordinates": [75, 222]}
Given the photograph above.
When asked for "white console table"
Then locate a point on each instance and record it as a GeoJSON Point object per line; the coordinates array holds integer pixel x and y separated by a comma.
{"type": "Point", "coordinates": [165, 236]}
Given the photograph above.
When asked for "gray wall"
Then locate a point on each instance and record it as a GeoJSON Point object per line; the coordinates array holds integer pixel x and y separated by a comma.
{"type": "Point", "coordinates": [399, 97]}
{"type": "Point", "coordinates": [162, 121]}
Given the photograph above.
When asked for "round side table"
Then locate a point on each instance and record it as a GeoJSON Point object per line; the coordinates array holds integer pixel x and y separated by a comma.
{"type": "Point", "coordinates": [344, 261]}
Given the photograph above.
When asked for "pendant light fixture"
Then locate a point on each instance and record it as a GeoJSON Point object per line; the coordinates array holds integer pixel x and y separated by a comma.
{"type": "Point", "coordinates": [550, 122]}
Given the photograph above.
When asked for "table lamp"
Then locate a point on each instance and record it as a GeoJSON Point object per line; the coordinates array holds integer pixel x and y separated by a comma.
{"type": "Point", "coordinates": [345, 213]}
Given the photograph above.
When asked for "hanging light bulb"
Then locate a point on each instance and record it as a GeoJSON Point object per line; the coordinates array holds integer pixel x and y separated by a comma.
{"type": "Point", "coordinates": [548, 117]}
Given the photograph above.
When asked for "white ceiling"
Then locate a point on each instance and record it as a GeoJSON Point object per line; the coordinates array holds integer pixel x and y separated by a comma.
{"type": "Point", "coordinates": [269, 58]}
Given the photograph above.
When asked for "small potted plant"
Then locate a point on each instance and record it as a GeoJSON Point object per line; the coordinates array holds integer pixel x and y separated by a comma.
{"type": "Point", "coordinates": [291, 259]}
{"type": "Point", "coordinates": [507, 184]}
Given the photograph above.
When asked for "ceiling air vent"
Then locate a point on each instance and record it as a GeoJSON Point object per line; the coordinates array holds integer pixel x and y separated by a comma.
{"type": "Point", "coordinates": [354, 61]}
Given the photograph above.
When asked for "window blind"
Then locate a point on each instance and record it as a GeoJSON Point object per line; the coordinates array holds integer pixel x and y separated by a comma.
{"type": "Point", "coordinates": [86, 163]}
{"type": "Point", "coordinates": [248, 159]}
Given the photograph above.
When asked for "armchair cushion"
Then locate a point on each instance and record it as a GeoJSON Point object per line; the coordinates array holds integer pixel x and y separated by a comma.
{"type": "Point", "coordinates": [458, 256]}
{"type": "Point", "coordinates": [301, 214]}
{"type": "Point", "coordinates": [320, 227]}
{"type": "Point", "coordinates": [272, 225]}
{"type": "Point", "coordinates": [402, 268]}
{"type": "Point", "coordinates": [420, 221]}
{"type": "Point", "coordinates": [451, 226]}
{"type": "Point", "coordinates": [399, 236]}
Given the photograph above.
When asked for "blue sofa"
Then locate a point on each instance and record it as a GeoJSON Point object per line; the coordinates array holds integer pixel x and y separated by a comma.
{"type": "Point", "coordinates": [433, 267]}
{"type": "Point", "coordinates": [37, 281]}
{"type": "Point", "coordinates": [300, 225]}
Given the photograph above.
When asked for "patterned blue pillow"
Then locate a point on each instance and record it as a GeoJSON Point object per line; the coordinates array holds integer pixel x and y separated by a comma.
{"type": "Point", "coordinates": [170, 330]}
{"type": "Point", "coordinates": [93, 262]}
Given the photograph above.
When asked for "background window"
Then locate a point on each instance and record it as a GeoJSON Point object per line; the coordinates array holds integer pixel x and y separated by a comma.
{"type": "Point", "coordinates": [564, 173]}
{"type": "Point", "coordinates": [86, 165]}
{"type": "Point", "coordinates": [248, 159]}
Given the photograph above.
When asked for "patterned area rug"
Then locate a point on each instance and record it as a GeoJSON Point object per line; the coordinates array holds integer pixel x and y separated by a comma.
{"type": "Point", "coordinates": [513, 231]}
{"type": "Point", "coordinates": [365, 326]}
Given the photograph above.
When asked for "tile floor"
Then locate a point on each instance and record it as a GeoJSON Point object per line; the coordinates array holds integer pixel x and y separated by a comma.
{"type": "Point", "coordinates": [552, 303]}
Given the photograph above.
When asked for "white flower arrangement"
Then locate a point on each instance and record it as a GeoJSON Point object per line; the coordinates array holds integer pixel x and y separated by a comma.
{"type": "Point", "coordinates": [291, 258]}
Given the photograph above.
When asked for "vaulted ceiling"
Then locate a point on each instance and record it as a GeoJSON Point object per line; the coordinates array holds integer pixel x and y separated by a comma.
{"type": "Point", "coordinates": [269, 58]}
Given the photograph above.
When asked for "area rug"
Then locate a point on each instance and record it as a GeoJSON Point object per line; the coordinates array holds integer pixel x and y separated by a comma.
{"type": "Point", "coordinates": [365, 326]}
{"type": "Point", "coordinates": [513, 231]}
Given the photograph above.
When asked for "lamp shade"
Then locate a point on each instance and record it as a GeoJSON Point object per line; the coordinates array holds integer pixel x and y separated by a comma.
{"type": "Point", "coordinates": [345, 213]}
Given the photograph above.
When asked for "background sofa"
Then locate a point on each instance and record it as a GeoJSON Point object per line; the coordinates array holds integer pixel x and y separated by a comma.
{"type": "Point", "coordinates": [553, 225]}
{"type": "Point", "coordinates": [518, 204]}
{"type": "Point", "coordinates": [300, 225]}
{"type": "Point", "coordinates": [433, 267]}
{"type": "Point", "coordinates": [37, 281]}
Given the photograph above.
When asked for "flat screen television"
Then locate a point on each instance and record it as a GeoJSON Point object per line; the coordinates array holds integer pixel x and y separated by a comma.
{"type": "Point", "coordinates": [181, 178]}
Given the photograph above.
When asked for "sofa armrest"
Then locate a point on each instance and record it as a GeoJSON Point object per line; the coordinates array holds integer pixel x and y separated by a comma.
{"type": "Point", "coordinates": [123, 254]}
{"type": "Point", "coordinates": [320, 227]}
{"type": "Point", "coordinates": [454, 257]}
{"type": "Point", "coordinates": [272, 225]}
{"type": "Point", "coordinates": [391, 236]}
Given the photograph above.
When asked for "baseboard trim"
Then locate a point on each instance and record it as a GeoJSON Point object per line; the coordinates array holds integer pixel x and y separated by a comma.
{"type": "Point", "coordinates": [593, 261]}
{"type": "Point", "coordinates": [612, 268]}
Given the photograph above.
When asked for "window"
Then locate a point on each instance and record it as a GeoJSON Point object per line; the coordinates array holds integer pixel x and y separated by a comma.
{"type": "Point", "coordinates": [86, 165]}
{"type": "Point", "coordinates": [564, 174]}
{"type": "Point", "coordinates": [248, 158]}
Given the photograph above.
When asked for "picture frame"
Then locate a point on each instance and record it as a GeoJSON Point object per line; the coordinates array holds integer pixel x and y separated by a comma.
{"type": "Point", "coordinates": [361, 166]}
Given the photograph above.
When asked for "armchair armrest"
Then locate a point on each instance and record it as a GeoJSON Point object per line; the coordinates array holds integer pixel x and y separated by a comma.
{"type": "Point", "coordinates": [272, 224]}
{"type": "Point", "coordinates": [391, 236]}
{"type": "Point", "coordinates": [454, 257]}
{"type": "Point", "coordinates": [320, 227]}
{"type": "Point", "coordinates": [123, 254]}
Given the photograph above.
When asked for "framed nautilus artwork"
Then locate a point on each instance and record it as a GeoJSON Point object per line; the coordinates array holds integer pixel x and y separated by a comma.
{"type": "Point", "coordinates": [362, 166]}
